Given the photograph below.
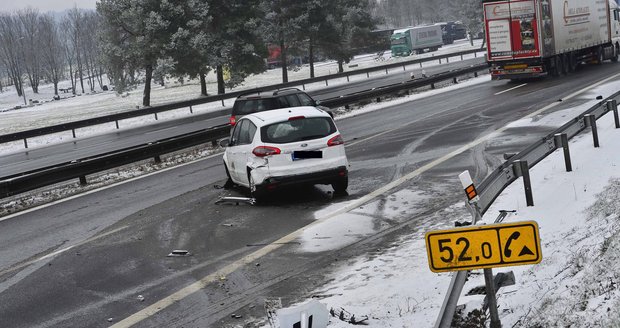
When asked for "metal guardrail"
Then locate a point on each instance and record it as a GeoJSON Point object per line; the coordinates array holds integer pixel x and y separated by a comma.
{"type": "Point", "coordinates": [493, 185]}
{"type": "Point", "coordinates": [80, 168]}
{"type": "Point", "coordinates": [72, 126]}
{"type": "Point", "coordinates": [26, 181]}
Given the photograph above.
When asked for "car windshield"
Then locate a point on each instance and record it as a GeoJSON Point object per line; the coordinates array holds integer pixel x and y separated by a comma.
{"type": "Point", "coordinates": [298, 130]}
{"type": "Point", "coordinates": [248, 106]}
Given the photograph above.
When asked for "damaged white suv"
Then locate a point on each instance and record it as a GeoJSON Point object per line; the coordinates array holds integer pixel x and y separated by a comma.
{"type": "Point", "coordinates": [283, 147]}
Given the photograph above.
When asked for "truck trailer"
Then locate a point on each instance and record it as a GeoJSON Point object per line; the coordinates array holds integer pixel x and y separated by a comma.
{"type": "Point", "coordinates": [535, 38]}
{"type": "Point", "coordinates": [416, 39]}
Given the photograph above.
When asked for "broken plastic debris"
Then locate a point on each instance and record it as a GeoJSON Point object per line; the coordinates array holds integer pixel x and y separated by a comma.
{"type": "Point", "coordinates": [110, 319]}
{"type": "Point", "coordinates": [140, 298]}
{"type": "Point", "coordinates": [236, 316]}
{"type": "Point", "coordinates": [235, 200]}
{"type": "Point", "coordinates": [179, 252]}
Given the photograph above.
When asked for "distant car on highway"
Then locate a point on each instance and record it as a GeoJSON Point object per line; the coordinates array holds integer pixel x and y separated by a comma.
{"type": "Point", "coordinates": [283, 147]}
{"type": "Point", "coordinates": [252, 103]}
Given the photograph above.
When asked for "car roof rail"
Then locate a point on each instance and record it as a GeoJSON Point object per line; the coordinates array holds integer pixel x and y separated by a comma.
{"type": "Point", "coordinates": [275, 93]}
{"type": "Point", "coordinates": [245, 94]}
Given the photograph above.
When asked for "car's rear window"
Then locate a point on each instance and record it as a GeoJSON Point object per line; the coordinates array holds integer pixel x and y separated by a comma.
{"type": "Point", "coordinates": [248, 106]}
{"type": "Point", "coordinates": [298, 130]}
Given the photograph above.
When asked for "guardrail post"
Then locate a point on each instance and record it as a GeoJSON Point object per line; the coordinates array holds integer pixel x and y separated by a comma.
{"type": "Point", "coordinates": [25, 143]}
{"type": "Point", "coordinates": [404, 68]}
{"type": "Point", "coordinates": [191, 111]}
{"type": "Point", "coordinates": [475, 55]}
{"type": "Point", "coordinates": [561, 140]}
{"type": "Point", "coordinates": [444, 320]}
{"type": "Point", "coordinates": [455, 81]}
{"type": "Point", "coordinates": [157, 159]}
{"type": "Point", "coordinates": [326, 83]}
{"type": "Point", "coordinates": [447, 60]}
{"type": "Point", "coordinates": [348, 78]}
{"type": "Point", "coordinates": [488, 279]}
{"type": "Point", "coordinates": [440, 60]}
{"type": "Point", "coordinates": [613, 105]}
{"type": "Point", "coordinates": [367, 75]}
{"type": "Point", "coordinates": [83, 181]}
{"type": "Point", "coordinates": [117, 124]}
{"type": "Point", "coordinates": [591, 122]}
{"type": "Point", "coordinates": [420, 64]}
{"type": "Point", "coordinates": [73, 132]}
{"type": "Point", "coordinates": [475, 74]}
{"type": "Point", "coordinates": [156, 118]}
{"type": "Point", "coordinates": [522, 169]}
{"type": "Point", "coordinates": [432, 85]}
{"type": "Point", "coordinates": [386, 71]}
{"type": "Point", "coordinates": [223, 105]}
{"type": "Point", "coordinates": [461, 57]}
{"type": "Point", "coordinates": [303, 87]}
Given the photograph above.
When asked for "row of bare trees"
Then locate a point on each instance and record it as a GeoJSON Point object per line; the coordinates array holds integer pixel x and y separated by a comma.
{"type": "Point", "coordinates": [36, 47]}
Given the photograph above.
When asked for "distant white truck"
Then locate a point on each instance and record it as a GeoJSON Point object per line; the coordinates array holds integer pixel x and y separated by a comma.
{"type": "Point", "coordinates": [416, 39]}
{"type": "Point", "coordinates": [532, 38]}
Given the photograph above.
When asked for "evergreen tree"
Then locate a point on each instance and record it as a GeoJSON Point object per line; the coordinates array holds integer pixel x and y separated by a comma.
{"type": "Point", "coordinates": [137, 32]}
{"type": "Point", "coordinates": [238, 46]}
{"type": "Point", "coordinates": [352, 24]}
{"type": "Point", "coordinates": [284, 20]}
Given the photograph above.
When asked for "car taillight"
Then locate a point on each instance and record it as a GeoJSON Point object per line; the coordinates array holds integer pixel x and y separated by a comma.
{"type": "Point", "coordinates": [296, 118]}
{"type": "Point", "coordinates": [232, 120]}
{"type": "Point", "coordinates": [335, 141]}
{"type": "Point", "coordinates": [262, 151]}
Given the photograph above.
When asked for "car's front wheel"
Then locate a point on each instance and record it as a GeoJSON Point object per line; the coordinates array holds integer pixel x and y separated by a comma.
{"type": "Point", "coordinates": [340, 186]}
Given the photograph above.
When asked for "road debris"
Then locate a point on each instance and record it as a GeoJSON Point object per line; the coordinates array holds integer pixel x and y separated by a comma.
{"type": "Point", "coordinates": [348, 317]}
{"type": "Point", "coordinates": [235, 201]}
{"type": "Point", "coordinates": [179, 253]}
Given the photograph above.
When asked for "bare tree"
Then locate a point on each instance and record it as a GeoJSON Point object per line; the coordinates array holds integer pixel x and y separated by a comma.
{"type": "Point", "coordinates": [74, 23]}
{"type": "Point", "coordinates": [29, 21]}
{"type": "Point", "coordinates": [9, 51]}
{"type": "Point", "coordinates": [69, 54]}
{"type": "Point", "coordinates": [52, 52]}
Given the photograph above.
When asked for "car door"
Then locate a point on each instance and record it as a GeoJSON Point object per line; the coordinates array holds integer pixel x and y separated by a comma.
{"type": "Point", "coordinates": [241, 149]}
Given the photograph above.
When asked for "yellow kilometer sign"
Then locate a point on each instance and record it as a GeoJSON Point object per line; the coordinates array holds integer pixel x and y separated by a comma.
{"type": "Point", "coordinates": [482, 247]}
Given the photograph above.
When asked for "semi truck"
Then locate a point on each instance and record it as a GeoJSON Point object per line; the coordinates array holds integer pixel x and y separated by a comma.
{"type": "Point", "coordinates": [535, 38]}
{"type": "Point", "coordinates": [416, 39]}
{"type": "Point", "coordinates": [452, 31]}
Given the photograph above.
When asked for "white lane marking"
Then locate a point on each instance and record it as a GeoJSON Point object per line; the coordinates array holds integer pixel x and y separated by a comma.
{"type": "Point", "coordinates": [251, 258]}
{"type": "Point", "coordinates": [10, 216]}
{"type": "Point", "coordinates": [60, 251]}
{"type": "Point", "coordinates": [517, 87]}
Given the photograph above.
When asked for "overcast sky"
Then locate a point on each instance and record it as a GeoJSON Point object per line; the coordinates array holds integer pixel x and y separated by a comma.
{"type": "Point", "coordinates": [46, 5]}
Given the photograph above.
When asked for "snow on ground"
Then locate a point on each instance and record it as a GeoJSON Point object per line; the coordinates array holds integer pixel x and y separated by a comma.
{"type": "Point", "coordinates": [578, 212]}
{"type": "Point", "coordinates": [575, 285]}
{"type": "Point", "coordinates": [100, 103]}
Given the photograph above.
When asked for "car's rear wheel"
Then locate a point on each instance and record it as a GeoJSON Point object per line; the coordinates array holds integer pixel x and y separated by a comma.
{"type": "Point", "coordinates": [341, 185]}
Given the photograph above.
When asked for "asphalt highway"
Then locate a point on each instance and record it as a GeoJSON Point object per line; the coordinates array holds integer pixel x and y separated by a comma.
{"type": "Point", "coordinates": [36, 158]}
{"type": "Point", "coordinates": [100, 259]}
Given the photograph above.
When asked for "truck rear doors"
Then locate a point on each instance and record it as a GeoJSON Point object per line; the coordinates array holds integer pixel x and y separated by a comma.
{"type": "Point", "coordinates": [512, 30]}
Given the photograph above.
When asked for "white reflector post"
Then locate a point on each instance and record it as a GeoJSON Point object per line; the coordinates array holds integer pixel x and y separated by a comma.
{"type": "Point", "coordinates": [311, 314]}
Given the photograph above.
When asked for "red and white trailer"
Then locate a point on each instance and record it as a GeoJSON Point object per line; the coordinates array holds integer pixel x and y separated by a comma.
{"type": "Point", "coordinates": [533, 38]}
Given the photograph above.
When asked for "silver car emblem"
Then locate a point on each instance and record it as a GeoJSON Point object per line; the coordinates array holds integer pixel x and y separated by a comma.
{"type": "Point", "coordinates": [304, 145]}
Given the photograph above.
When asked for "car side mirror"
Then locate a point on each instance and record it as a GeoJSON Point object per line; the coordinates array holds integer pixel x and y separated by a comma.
{"type": "Point", "coordinates": [317, 102]}
{"type": "Point", "coordinates": [224, 142]}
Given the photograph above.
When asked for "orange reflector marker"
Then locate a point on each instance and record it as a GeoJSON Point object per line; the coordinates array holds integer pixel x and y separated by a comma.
{"type": "Point", "coordinates": [468, 186]}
